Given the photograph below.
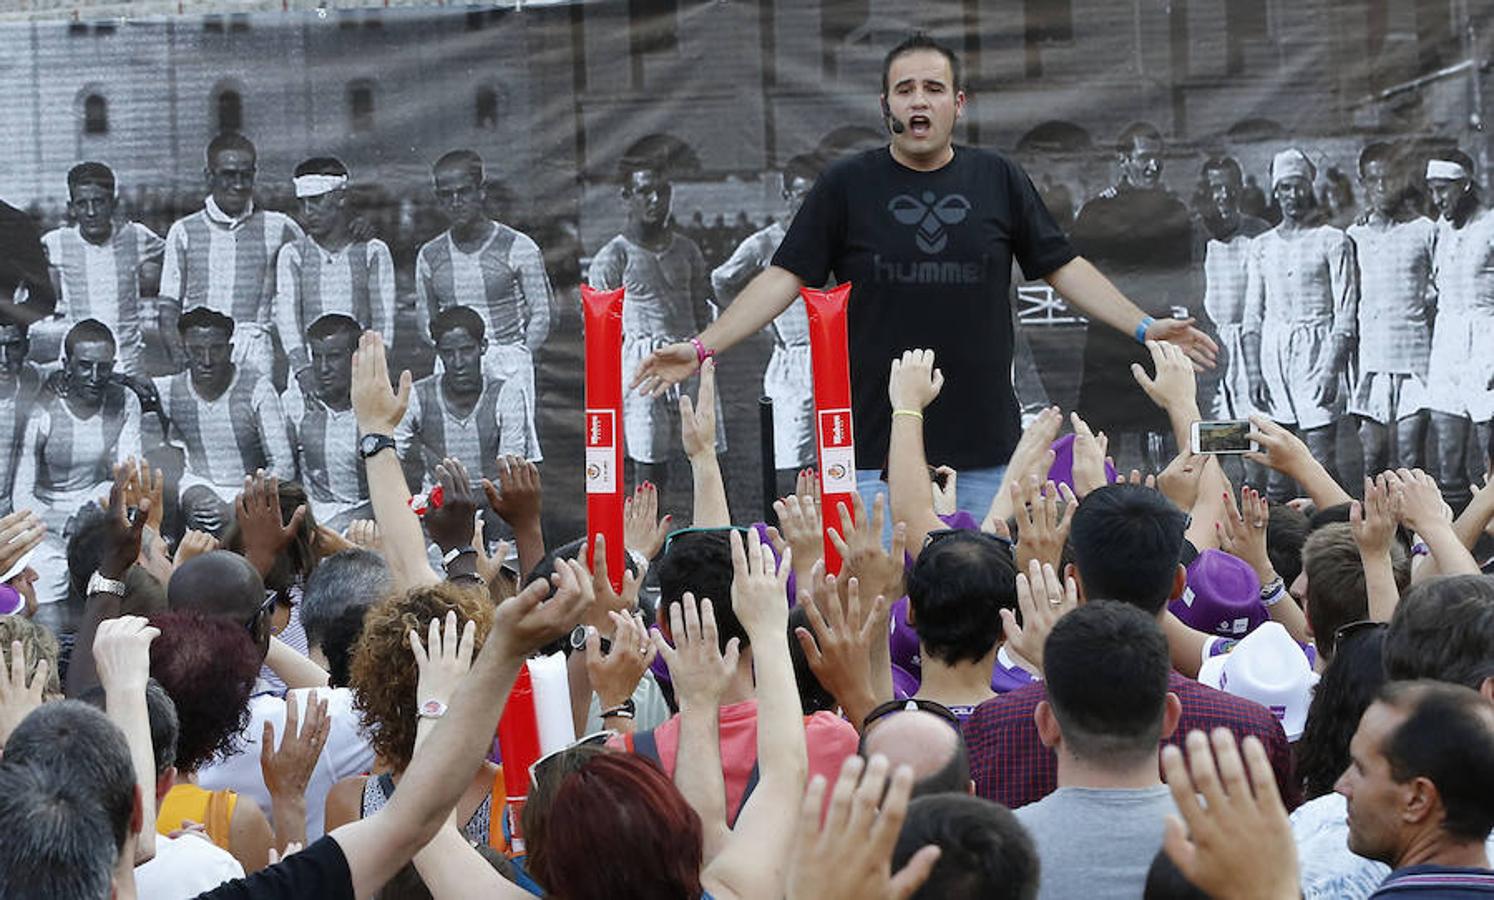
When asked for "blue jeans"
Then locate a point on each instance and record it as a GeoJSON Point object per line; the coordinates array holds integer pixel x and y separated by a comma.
{"type": "Point", "coordinates": [974, 491]}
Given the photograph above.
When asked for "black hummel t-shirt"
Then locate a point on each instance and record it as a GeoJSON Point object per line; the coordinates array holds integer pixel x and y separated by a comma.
{"type": "Point", "coordinates": [929, 256]}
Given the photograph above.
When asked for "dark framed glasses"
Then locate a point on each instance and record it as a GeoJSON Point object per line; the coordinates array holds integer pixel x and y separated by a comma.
{"type": "Point", "coordinates": [266, 608]}
{"type": "Point", "coordinates": [939, 534]}
{"type": "Point", "coordinates": [883, 710]}
{"type": "Point", "coordinates": [595, 739]}
{"type": "Point", "coordinates": [1353, 628]}
{"type": "Point", "coordinates": [718, 529]}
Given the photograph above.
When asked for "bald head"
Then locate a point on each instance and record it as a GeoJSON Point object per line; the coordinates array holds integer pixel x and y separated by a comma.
{"type": "Point", "coordinates": [218, 583]}
{"type": "Point", "coordinates": [926, 743]}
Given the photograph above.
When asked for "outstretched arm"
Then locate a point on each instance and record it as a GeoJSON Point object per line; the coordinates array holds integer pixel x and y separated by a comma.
{"type": "Point", "coordinates": [1082, 285]}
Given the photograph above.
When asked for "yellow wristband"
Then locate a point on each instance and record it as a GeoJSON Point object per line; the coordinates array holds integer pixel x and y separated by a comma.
{"type": "Point", "coordinates": [907, 412]}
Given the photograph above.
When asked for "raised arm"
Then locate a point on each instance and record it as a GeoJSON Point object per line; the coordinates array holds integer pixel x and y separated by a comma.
{"type": "Point", "coordinates": [1283, 451]}
{"type": "Point", "coordinates": [698, 434]}
{"type": "Point", "coordinates": [1084, 288]}
{"type": "Point", "coordinates": [121, 653]}
{"type": "Point", "coordinates": [379, 411]}
{"type": "Point", "coordinates": [913, 384]}
{"type": "Point", "coordinates": [1373, 523]}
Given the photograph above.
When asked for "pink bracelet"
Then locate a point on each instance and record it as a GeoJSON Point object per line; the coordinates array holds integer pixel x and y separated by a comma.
{"type": "Point", "coordinates": [702, 352]}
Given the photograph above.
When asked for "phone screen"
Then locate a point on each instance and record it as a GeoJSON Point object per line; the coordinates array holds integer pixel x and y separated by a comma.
{"type": "Point", "coordinates": [1222, 437]}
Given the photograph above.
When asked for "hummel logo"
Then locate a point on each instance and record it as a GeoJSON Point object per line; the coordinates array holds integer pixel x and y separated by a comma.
{"type": "Point", "coordinates": [930, 217]}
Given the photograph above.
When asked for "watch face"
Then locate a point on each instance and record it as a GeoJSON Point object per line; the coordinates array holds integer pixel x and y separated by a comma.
{"type": "Point", "coordinates": [368, 444]}
{"type": "Point", "coordinates": [433, 709]}
{"type": "Point", "coordinates": [578, 637]}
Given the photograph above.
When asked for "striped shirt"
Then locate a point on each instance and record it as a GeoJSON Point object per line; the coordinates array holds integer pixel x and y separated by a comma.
{"type": "Point", "coordinates": [226, 264]}
{"type": "Point", "coordinates": [752, 256]}
{"type": "Point", "coordinates": [666, 289]}
{"type": "Point", "coordinates": [15, 410]}
{"type": "Point", "coordinates": [310, 282]}
{"type": "Point", "coordinates": [1225, 270]}
{"type": "Point", "coordinates": [430, 430]}
{"type": "Point", "coordinates": [1308, 279]}
{"type": "Point", "coordinates": [102, 281]}
{"type": "Point", "coordinates": [504, 280]}
{"type": "Point", "coordinates": [228, 438]}
{"type": "Point", "coordinates": [63, 455]}
{"type": "Point", "coordinates": [1396, 295]}
{"type": "Point", "coordinates": [326, 443]}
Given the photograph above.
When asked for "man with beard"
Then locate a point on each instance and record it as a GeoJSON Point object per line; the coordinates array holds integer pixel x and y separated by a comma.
{"type": "Point", "coordinates": [1460, 375]}
{"type": "Point", "coordinates": [488, 267]}
{"type": "Point", "coordinates": [227, 417]}
{"type": "Point", "coordinates": [667, 290]}
{"type": "Point", "coordinates": [223, 257]}
{"type": "Point", "coordinates": [1229, 232]}
{"type": "Point", "coordinates": [1301, 307]}
{"type": "Point", "coordinates": [82, 423]}
{"type": "Point", "coordinates": [324, 430]}
{"type": "Point", "coordinates": [1141, 234]}
{"type": "Point", "coordinates": [328, 270]}
{"type": "Point", "coordinates": [463, 410]}
{"type": "Point", "coordinates": [100, 270]}
{"type": "Point", "coordinates": [1395, 247]}
{"type": "Point", "coordinates": [19, 383]}
{"type": "Point", "coordinates": [788, 380]}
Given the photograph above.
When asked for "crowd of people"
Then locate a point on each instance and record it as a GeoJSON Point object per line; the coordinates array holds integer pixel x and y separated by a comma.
{"type": "Point", "coordinates": [1116, 684]}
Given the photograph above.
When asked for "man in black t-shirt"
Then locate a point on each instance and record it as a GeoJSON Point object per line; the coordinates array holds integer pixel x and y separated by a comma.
{"type": "Point", "coordinates": [926, 231]}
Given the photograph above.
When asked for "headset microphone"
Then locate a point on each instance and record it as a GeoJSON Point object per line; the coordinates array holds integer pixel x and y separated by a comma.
{"type": "Point", "coordinates": [893, 122]}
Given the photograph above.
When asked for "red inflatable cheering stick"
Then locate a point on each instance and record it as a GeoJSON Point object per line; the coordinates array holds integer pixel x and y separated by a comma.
{"type": "Point", "coordinates": [832, 405]}
{"type": "Point", "coordinates": [604, 437]}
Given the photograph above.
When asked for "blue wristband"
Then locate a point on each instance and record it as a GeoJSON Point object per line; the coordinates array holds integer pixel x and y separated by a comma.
{"type": "Point", "coordinates": [1146, 322]}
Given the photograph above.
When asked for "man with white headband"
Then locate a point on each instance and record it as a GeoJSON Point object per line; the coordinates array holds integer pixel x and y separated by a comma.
{"type": "Point", "coordinates": [222, 257]}
{"type": "Point", "coordinates": [1301, 308]}
{"type": "Point", "coordinates": [1394, 245]}
{"type": "Point", "coordinates": [1460, 377]}
{"type": "Point", "coordinates": [100, 269]}
{"type": "Point", "coordinates": [329, 271]}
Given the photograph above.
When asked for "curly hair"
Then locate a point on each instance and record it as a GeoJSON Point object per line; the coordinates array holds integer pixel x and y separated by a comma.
{"type": "Point", "coordinates": [383, 672]}
{"type": "Point", "coordinates": [207, 665]}
{"type": "Point", "coordinates": [37, 644]}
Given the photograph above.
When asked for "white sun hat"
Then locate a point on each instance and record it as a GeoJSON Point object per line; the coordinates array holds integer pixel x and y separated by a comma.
{"type": "Point", "coordinates": [1267, 666]}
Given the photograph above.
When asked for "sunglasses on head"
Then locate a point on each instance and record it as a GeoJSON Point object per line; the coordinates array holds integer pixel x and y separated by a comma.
{"type": "Point", "coordinates": [718, 529]}
{"type": "Point", "coordinates": [891, 707]}
{"type": "Point", "coordinates": [266, 608]}
{"type": "Point", "coordinates": [939, 534]}
{"type": "Point", "coordinates": [595, 739]}
{"type": "Point", "coordinates": [1353, 628]}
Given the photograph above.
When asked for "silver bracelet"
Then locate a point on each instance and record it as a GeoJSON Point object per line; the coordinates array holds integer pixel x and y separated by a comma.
{"type": "Point", "coordinates": [1272, 593]}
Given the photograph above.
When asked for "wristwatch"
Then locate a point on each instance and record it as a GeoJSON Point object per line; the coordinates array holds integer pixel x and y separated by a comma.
{"type": "Point", "coordinates": [370, 444]}
{"type": "Point", "coordinates": [98, 584]}
{"type": "Point", "coordinates": [454, 553]}
{"type": "Point", "coordinates": [624, 710]}
{"type": "Point", "coordinates": [431, 709]}
{"type": "Point", "coordinates": [578, 640]}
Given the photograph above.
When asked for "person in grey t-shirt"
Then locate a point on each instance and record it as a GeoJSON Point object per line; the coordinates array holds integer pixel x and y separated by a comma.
{"type": "Point", "coordinates": [1108, 709]}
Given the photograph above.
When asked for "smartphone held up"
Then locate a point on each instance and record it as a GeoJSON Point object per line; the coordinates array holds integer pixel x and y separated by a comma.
{"type": "Point", "coordinates": [1231, 436]}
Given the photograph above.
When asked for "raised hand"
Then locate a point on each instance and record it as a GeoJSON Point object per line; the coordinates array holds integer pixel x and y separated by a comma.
{"type": "Point", "coordinates": [799, 523]}
{"type": "Point", "coordinates": [377, 407]}
{"type": "Point", "coordinates": [287, 768]}
{"type": "Point", "coordinates": [1041, 529]}
{"type": "Point", "coordinates": [946, 490]}
{"type": "Point", "coordinates": [1242, 531]}
{"type": "Point", "coordinates": [450, 524]}
{"type": "Point", "coordinates": [527, 621]}
{"type": "Point", "coordinates": [1374, 520]}
{"type": "Point", "coordinates": [757, 587]}
{"type": "Point", "coordinates": [1180, 480]}
{"type": "Point", "coordinates": [20, 533]}
{"type": "Point", "coordinates": [121, 533]}
{"type": "Point", "coordinates": [879, 569]}
{"type": "Point", "coordinates": [615, 675]}
{"type": "Point", "coordinates": [142, 483]}
{"type": "Point", "coordinates": [607, 600]}
{"type": "Point", "coordinates": [1175, 386]}
{"type": "Point", "coordinates": [840, 648]}
{"type": "Point", "coordinates": [1043, 602]}
{"type": "Point", "coordinates": [365, 533]}
{"type": "Point", "coordinates": [517, 498]}
{"type": "Point", "coordinates": [1200, 348]}
{"type": "Point", "coordinates": [1419, 500]}
{"type": "Point", "coordinates": [698, 669]}
{"type": "Point", "coordinates": [643, 530]}
{"type": "Point", "coordinates": [258, 513]}
{"type": "Point", "coordinates": [698, 418]}
{"type": "Point", "coordinates": [17, 696]}
{"type": "Point", "coordinates": [1279, 448]}
{"type": "Point", "coordinates": [849, 855]}
{"type": "Point", "coordinates": [1237, 842]}
{"type": "Point", "coordinates": [914, 382]}
{"type": "Point", "coordinates": [1089, 457]}
{"type": "Point", "coordinates": [121, 653]}
{"type": "Point", "coordinates": [444, 659]}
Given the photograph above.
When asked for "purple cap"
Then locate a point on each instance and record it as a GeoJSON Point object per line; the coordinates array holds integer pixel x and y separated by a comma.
{"type": "Point", "coordinates": [902, 642]}
{"type": "Point", "coordinates": [11, 601]}
{"type": "Point", "coordinates": [904, 683]}
{"type": "Point", "coordinates": [1223, 596]}
{"type": "Point", "coordinates": [1062, 470]}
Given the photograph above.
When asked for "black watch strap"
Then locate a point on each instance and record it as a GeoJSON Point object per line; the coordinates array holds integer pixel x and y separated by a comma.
{"type": "Point", "coordinates": [370, 444]}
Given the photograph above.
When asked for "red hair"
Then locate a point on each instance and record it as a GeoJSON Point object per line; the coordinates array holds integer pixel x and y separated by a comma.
{"type": "Point", "coordinates": [619, 829]}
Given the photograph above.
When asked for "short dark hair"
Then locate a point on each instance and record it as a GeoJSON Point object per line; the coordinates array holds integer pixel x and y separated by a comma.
{"type": "Point", "coordinates": [1286, 532]}
{"type": "Point", "coordinates": [1127, 542]}
{"type": "Point", "coordinates": [1336, 593]}
{"type": "Point", "coordinates": [655, 162]}
{"type": "Point", "coordinates": [805, 165]}
{"type": "Point", "coordinates": [956, 589]}
{"type": "Point", "coordinates": [921, 40]}
{"type": "Point", "coordinates": [1348, 685]}
{"type": "Point", "coordinates": [1225, 164]}
{"type": "Point", "coordinates": [350, 579]}
{"type": "Point", "coordinates": [1106, 665]}
{"type": "Point", "coordinates": [321, 165]}
{"type": "Point", "coordinates": [77, 742]}
{"type": "Point", "coordinates": [203, 317]}
{"type": "Point", "coordinates": [1447, 737]}
{"type": "Point", "coordinates": [57, 835]}
{"type": "Point", "coordinates": [87, 331]}
{"type": "Point", "coordinates": [1127, 140]}
{"type": "Point", "coordinates": [464, 318]}
{"type": "Point", "coordinates": [1443, 629]}
{"type": "Point", "coordinates": [986, 854]}
{"type": "Point", "coordinates": [1377, 151]}
{"type": "Point", "coordinates": [333, 323]}
{"type": "Point", "coordinates": [164, 725]}
{"type": "Point", "coordinates": [227, 141]}
{"type": "Point", "coordinates": [94, 173]}
{"type": "Point", "coordinates": [461, 159]}
{"type": "Point", "coordinates": [700, 562]}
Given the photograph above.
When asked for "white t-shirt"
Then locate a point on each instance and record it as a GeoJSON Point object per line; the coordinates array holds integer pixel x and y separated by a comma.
{"type": "Point", "coordinates": [185, 867]}
{"type": "Point", "coordinates": [346, 753]}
